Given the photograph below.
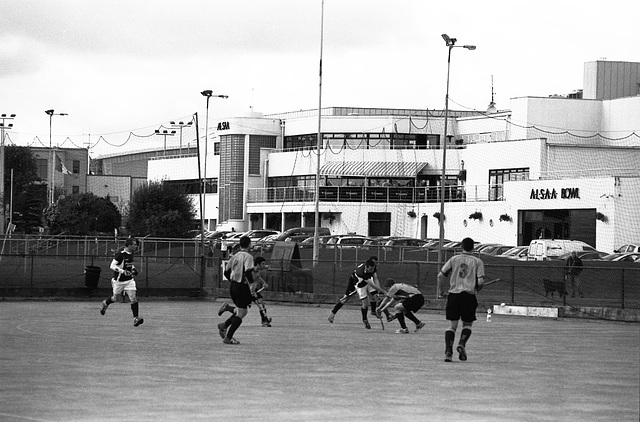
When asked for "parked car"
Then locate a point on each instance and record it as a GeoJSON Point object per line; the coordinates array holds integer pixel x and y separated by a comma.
{"type": "Point", "coordinates": [585, 255]}
{"type": "Point", "coordinates": [266, 243]}
{"type": "Point", "coordinates": [495, 250]}
{"type": "Point", "coordinates": [519, 253]}
{"type": "Point", "coordinates": [350, 241]}
{"type": "Point", "coordinates": [627, 248]}
{"type": "Point", "coordinates": [623, 257]}
{"type": "Point", "coordinates": [543, 249]}
{"type": "Point", "coordinates": [322, 240]}
{"type": "Point", "coordinates": [257, 234]}
{"type": "Point", "coordinates": [298, 234]}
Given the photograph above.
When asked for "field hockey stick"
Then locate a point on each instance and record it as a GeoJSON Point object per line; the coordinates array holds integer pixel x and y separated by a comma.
{"type": "Point", "coordinates": [381, 323]}
{"type": "Point", "coordinates": [490, 282]}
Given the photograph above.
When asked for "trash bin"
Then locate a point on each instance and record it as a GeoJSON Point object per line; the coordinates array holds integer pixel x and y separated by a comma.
{"type": "Point", "coordinates": [91, 276]}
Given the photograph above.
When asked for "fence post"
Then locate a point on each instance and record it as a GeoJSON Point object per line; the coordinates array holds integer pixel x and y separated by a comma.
{"type": "Point", "coordinates": [622, 289]}
{"type": "Point", "coordinates": [513, 284]}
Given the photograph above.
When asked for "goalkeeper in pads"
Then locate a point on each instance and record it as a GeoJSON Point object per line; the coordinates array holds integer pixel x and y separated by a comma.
{"type": "Point", "coordinates": [257, 286]}
{"type": "Point", "coordinates": [404, 300]}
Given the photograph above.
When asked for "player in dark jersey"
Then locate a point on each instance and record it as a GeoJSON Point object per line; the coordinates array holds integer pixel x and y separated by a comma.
{"type": "Point", "coordinates": [364, 282]}
{"type": "Point", "coordinates": [123, 279]}
{"type": "Point", "coordinates": [466, 278]}
{"type": "Point", "coordinates": [405, 300]}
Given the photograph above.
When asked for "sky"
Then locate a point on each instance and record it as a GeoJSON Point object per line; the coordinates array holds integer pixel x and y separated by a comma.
{"type": "Point", "coordinates": [118, 67]}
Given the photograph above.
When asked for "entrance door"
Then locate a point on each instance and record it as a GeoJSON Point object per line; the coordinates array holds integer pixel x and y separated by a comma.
{"type": "Point", "coordinates": [578, 224]}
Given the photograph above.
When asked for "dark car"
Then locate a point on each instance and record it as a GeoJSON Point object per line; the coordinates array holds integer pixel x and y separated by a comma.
{"type": "Point", "coordinates": [585, 255]}
{"type": "Point", "coordinates": [495, 250]}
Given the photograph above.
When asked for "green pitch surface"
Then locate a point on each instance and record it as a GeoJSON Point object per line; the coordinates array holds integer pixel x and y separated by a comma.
{"type": "Point", "coordinates": [63, 361]}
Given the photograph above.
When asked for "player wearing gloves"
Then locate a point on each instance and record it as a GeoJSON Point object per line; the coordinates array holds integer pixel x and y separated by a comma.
{"type": "Point", "coordinates": [405, 300]}
{"type": "Point", "coordinates": [123, 279]}
{"type": "Point", "coordinates": [256, 288]}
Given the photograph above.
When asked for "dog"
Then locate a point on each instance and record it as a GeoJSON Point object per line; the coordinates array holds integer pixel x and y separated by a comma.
{"type": "Point", "coordinates": [551, 286]}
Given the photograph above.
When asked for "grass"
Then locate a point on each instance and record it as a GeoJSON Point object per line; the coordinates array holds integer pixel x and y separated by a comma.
{"type": "Point", "coordinates": [63, 361]}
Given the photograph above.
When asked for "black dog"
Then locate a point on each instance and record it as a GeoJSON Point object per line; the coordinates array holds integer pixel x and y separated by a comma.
{"type": "Point", "coordinates": [551, 286]}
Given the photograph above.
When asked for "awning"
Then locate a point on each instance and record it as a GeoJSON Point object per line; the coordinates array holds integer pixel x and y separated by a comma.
{"type": "Point", "coordinates": [372, 168]}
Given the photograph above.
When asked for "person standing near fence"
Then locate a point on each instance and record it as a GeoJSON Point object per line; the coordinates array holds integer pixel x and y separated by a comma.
{"type": "Point", "coordinates": [240, 274]}
{"type": "Point", "coordinates": [572, 270]}
{"type": "Point", "coordinates": [123, 279]}
{"type": "Point", "coordinates": [466, 278]}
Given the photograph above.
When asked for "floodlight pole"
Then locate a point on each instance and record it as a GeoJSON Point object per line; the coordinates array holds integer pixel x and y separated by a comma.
{"type": "Point", "coordinates": [51, 113]}
{"type": "Point", "coordinates": [450, 42]}
{"type": "Point", "coordinates": [3, 126]}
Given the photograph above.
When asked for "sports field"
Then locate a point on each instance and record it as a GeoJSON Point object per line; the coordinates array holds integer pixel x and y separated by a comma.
{"type": "Point", "coordinates": [63, 361]}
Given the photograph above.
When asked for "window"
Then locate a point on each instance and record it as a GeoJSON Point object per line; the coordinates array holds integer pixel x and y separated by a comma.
{"type": "Point", "coordinates": [42, 165]}
{"type": "Point", "coordinates": [76, 166]}
{"type": "Point", "coordinates": [498, 177]}
{"type": "Point", "coordinates": [216, 148]}
{"type": "Point", "coordinates": [191, 187]}
{"type": "Point", "coordinates": [379, 224]}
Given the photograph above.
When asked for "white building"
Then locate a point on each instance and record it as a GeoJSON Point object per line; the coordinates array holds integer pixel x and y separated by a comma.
{"type": "Point", "coordinates": [553, 167]}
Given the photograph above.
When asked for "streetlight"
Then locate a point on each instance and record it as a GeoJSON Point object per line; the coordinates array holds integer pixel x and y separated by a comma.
{"type": "Point", "coordinates": [165, 133]}
{"type": "Point", "coordinates": [207, 93]}
{"type": "Point", "coordinates": [3, 126]}
{"type": "Point", "coordinates": [451, 43]}
{"type": "Point", "coordinates": [53, 162]}
{"type": "Point", "coordinates": [180, 125]}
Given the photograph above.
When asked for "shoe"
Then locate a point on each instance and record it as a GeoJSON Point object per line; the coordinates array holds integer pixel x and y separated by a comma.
{"type": "Point", "coordinates": [462, 352]}
{"type": "Point", "coordinates": [222, 330]}
{"type": "Point", "coordinates": [419, 326]}
{"type": "Point", "coordinates": [137, 321]}
{"type": "Point", "coordinates": [448, 357]}
{"type": "Point", "coordinates": [266, 324]}
{"type": "Point", "coordinates": [230, 341]}
{"type": "Point", "coordinates": [269, 320]}
{"type": "Point", "coordinates": [402, 331]}
{"type": "Point", "coordinates": [331, 317]}
{"type": "Point", "coordinates": [391, 318]}
{"type": "Point", "coordinates": [223, 309]}
{"type": "Point", "coordinates": [366, 324]}
{"type": "Point", "coordinates": [103, 308]}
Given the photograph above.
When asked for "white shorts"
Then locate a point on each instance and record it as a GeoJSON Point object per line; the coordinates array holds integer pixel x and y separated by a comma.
{"type": "Point", "coordinates": [364, 292]}
{"type": "Point", "coordinates": [119, 286]}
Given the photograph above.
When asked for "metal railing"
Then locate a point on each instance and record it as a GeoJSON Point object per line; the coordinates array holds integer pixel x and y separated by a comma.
{"type": "Point", "coordinates": [381, 194]}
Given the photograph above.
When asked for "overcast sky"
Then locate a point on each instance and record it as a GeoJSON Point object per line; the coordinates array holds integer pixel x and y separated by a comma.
{"type": "Point", "coordinates": [121, 66]}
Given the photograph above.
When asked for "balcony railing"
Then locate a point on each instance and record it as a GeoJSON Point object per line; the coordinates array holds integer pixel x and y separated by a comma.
{"type": "Point", "coordinates": [467, 193]}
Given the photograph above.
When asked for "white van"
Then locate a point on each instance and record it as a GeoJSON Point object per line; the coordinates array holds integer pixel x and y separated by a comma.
{"type": "Point", "coordinates": [543, 249]}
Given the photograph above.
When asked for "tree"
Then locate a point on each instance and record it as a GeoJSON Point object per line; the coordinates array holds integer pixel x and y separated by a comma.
{"type": "Point", "coordinates": [160, 210]}
{"type": "Point", "coordinates": [83, 214]}
{"type": "Point", "coordinates": [29, 191]}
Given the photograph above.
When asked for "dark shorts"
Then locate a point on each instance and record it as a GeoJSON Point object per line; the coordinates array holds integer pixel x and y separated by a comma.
{"type": "Point", "coordinates": [351, 286]}
{"type": "Point", "coordinates": [461, 306]}
{"type": "Point", "coordinates": [240, 294]}
{"type": "Point", "coordinates": [413, 303]}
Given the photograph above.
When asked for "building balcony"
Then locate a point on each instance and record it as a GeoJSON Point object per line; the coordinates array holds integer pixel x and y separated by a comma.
{"type": "Point", "coordinates": [377, 194]}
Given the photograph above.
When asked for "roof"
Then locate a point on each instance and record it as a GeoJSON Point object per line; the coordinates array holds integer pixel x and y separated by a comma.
{"type": "Point", "coordinates": [372, 168]}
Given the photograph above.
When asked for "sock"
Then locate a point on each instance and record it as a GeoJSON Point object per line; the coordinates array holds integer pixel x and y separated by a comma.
{"type": "Point", "coordinates": [413, 318]}
{"type": "Point", "coordinates": [386, 312]}
{"type": "Point", "coordinates": [263, 316]}
{"type": "Point", "coordinates": [364, 313]}
{"type": "Point", "coordinates": [464, 336]}
{"type": "Point", "coordinates": [229, 308]}
{"type": "Point", "coordinates": [449, 337]}
{"type": "Point", "coordinates": [403, 324]}
{"type": "Point", "coordinates": [336, 307]}
{"type": "Point", "coordinates": [235, 323]}
{"type": "Point", "coordinates": [109, 301]}
{"type": "Point", "coordinates": [134, 309]}
{"type": "Point", "coordinates": [374, 305]}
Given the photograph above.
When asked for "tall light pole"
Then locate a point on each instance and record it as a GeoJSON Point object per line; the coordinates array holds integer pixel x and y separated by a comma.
{"type": "Point", "coordinates": [209, 94]}
{"type": "Point", "coordinates": [316, 210]}
{"type": "Point", "coordinates": [180, 125]}
{"type": "Point", "coordinates": [165, 133]}
{"type": "Point", "coordinates": [3, 126]}
{"type": "Point", "coordinates": [53, 161]}
{"type": "Point", "coordinates": [451, 43]}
